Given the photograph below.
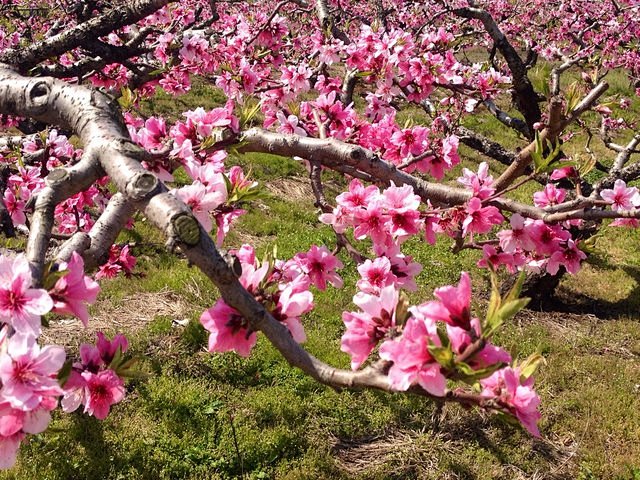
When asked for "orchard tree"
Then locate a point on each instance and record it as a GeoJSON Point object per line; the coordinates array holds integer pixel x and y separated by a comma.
{"type": "Point", "coordinates": [322, 82]}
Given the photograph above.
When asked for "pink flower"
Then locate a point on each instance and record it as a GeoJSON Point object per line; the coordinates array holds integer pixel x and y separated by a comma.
{"type": "Point", "coordinates": [412, 362]}
{"type": "Point", "coordinates": [489, 355]}
{"type": "Point", "coordinates": [479, 183]}
{"type": "Point", "coordinates": [547, 238]}
{"type": "Point", "coordinates": [403, 267]}
{"type": "Point", "coordinates": [455, 303]}
{"type": "Point", "coordinates": [375, 275]}
{"type": "Point", "coordinates": [9, 447]}
{"type": "Point", "coordinates": [290, 125]}
{"type": "Point", "coordinates": [621, 196]}
{"type": "Point", "coordinates": [402, 205]}
{"type": "Point", "coordinates": [412, 141]}
{"type": "Point", "coordinates": [127, 260]}
{"type": "Point", "coordinates": [358, 195]}
{"type": "Point", "coordinates": [107, 349]}
{"type": "Point", "coordinates": [569, 257]}
{"type": "Point", "coordinates": [450, 151]}
{"type": "Point", "coordinates": [201, 201]}
{"type": "Point", "coordinates": [372, 222]}
{"type": "Point", "coordinates": [238, 179]}
{"type": "Point", "coordinates": [223, 223]}
{"type": "Point", "coordinates": [34, 421]}
{"type": "Point", "coordinates": [480, 219]}
{"type": "Point", "coordinates": [74, 392]}
{"type": "Point", "coordinates": [563, 172]}
{"type": "Point", "coordinates": [108, 270]}
{"type": "Point", "coordinates": [517, 237]}
{"type": "Point", "coordinates": [74, 290]}
{"type": "Point", "coordinates": [491, 256]}
{"type": "Point", "coordinates": [518, 397]}
{"type": "Point", "coordinates": [15, 206]}
{"type": "Point", "coordinates": [625, 222]}
{"type": "Point", "coordinates": [294, 300]}
{"type": "Point", "coordinates": [102, 390]}
{"type": "Point", "coordinates": [20, 305]}
{"type": "Point", "coordinates": [320, 265]}
{"type": "Point", "coordinates": [28, 374]}
{"type": "Point", "coordinates": [229, 330]}
{"type": "Point", "coordinates": [365, 329]}
{"type": "Point", "coordinates": [152, 135]}
{"type": "Point", "coordinates": [549, 196]}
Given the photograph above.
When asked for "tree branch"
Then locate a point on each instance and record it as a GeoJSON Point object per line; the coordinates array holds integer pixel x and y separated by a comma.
{"type": "Point", "coordinates": [103, 24]}
{"type": "Point", "coordinates": [526, 98]}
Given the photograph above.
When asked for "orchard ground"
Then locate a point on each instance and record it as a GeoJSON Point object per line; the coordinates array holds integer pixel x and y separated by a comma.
{"type": "Point", "coordinates": [199, 415]}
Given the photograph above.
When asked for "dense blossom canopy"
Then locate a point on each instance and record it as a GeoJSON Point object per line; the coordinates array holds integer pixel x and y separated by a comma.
{"type": "Point", "coordinates": [328, 83]}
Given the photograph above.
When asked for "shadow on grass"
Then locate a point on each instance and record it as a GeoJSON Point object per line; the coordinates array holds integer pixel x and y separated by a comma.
{"type": "Point", "coordinates": [569, 301]}
{"type": "Point", "coordinates": [489, 445]}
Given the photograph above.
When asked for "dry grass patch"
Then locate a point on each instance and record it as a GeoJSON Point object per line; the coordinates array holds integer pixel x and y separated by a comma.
{"type": "Point", "coordinates": [130, 315]}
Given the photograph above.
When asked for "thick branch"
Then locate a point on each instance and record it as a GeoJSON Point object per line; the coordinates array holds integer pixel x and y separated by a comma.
{"type": "Point", "coordinates": [485, 146]}
{"type": "Point", "coordinates": [623, 157]}
{"type": "Point", "coordinates": [103, 24]}
{"type": "Point", "coordinates": [526, 98]}
{"type": "Point", "coordinates": [335, 154]}
{"type": "Point", "coordinates": [327, 22]}
{"type": "Point", "coordinates": [504, 118]}
{"type": "Point", "coordinates": [6, 224]}
{"type": "Point", "coordinates": [557, 123]}
{"type": "Point", "coordinates": [94, 246]}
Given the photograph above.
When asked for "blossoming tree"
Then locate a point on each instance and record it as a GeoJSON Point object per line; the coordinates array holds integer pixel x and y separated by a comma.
{"type": "Point", "coordinates": [323, 82]}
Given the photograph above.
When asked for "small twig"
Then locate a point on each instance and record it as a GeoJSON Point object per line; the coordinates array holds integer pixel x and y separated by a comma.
{"type": "Point", "coordinates": [235, 443]}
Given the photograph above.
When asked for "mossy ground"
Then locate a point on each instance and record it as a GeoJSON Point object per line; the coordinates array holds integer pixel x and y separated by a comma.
{"type": "Point", "coordinates": [208, 416]}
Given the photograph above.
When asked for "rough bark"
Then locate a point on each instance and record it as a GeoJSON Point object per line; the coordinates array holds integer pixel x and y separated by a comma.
{"type": "Point", "coordinates": [103, 24]}
{"type": "Point", "coordinates": [525, 97]}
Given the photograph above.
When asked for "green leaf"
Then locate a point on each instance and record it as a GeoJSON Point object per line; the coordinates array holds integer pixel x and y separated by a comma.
{"type": "Point", "coordinates": [249, 113]}
{"type": "Point", "coordinates": [227, 184]}
{"type": "Point", "coordinates": [509, 309]}
{"type": "Point", "coordinates": [127, 369]}
{"type": "Point", "coordinates": [127, 99]}
{"type": "Point", "coordinates": [502, 309]}
{"type": "Point", "coordinates": [52, 275]}
{"type": "Point", "coordinates": [117, 360]}
{"type": "Point", "coordinates": [248, 195]}
{"type": "Point", "coordinates": [586, 164]}
{"type": "Point", "coordinates": [514, 293]}
{"type": "Point", "coordinates": [494, 301]}
{"type": "Point", "coordinates": [442, 355]}
{"type": "Point", "coordinates": [529, 366]}
{"type": "Point", "coordinates": [65, 372]}
{"type": "Point", "coordinates": [590, 245]}
{"type": "Point", "coordinates": [208, 142]}
{"type": "Point", "coordinates": [544, 164]}
{"type": "Point", "coordinates": [572, 96]}
{"type": "Point", "coordinates": [471, 376]}
{"type": "Point", "coordinates": [536, 155]}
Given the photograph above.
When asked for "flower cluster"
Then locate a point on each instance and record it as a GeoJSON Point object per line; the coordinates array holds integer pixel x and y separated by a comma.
{"type": "Point", "coordinates": [283, 289]}
{"type": "Point", "coordinates": [388, 218]}
{"type": "Point", "coordinates": [44, 153]}
{"type": "Point", "coordinates": [120, 261]}
{"type": "Point", "coordinates": [439, 341]}
{"type": "Point", "coordinates": [95, 381]}
{"type": "Point", "coordinates": [29, 387]}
